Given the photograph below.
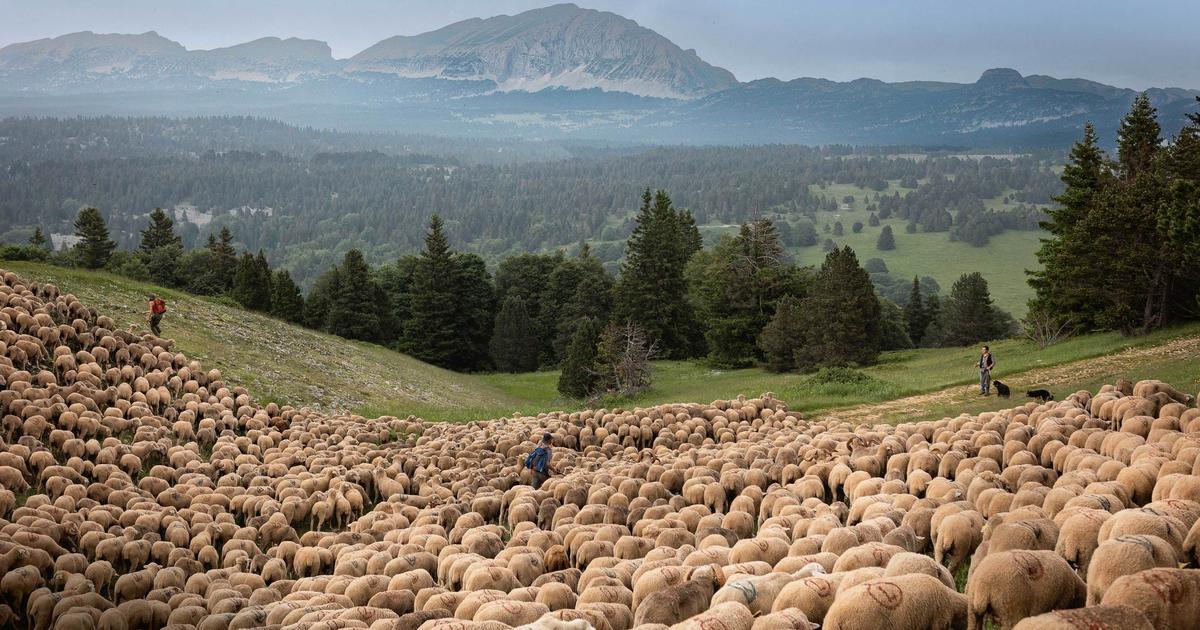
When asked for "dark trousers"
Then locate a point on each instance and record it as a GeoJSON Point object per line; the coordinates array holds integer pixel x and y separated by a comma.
{"type": "Point", "coordinates": [985, 381]}
{"type": "Point", "coordinates": [155, 320]}
{"type": "Point", "coordinates": [538, 479]}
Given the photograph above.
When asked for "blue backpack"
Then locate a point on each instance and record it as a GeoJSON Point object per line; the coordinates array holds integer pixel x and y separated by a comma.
{"type": "Point", "coordinates": [539, 459]}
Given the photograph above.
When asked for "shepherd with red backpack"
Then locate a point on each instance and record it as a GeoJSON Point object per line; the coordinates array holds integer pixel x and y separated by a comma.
{"type": "Point", "coordinates": [154, 312]}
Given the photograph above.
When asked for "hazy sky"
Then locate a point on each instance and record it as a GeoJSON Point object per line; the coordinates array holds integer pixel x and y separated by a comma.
{"type": "Point", "coordinates": [1130, 43]}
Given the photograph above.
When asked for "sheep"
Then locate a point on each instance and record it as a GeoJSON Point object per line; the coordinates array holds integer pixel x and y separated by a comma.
{"type": "Point", "coordinates": [905, 601]}
{"type": "Point", "coordinates": [1098, 617]}
{"type": "Point", "coordinates": [1167, 598]}
{"type": "Point", "coordinates": [1122, 556]}
{"type": "Point", "coordinates": [1012, 585]}
{"type": "Point", "coordinates": [676, 603]}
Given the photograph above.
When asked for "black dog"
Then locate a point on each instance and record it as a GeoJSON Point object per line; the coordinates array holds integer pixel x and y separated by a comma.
{"type": "Point", "coordinates": [1001, 389]}
{"type": "Point", "coordinates": [1040, 394]}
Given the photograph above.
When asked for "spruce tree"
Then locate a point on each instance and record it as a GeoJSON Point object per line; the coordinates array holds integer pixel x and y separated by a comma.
{"type": "Point", "coordinates": [893, 329]}
{"type": "Point", "coordinates": [287, 303]}
{"type": "Point", "coordinates": [887, 241]}
{"type": "Point", "coordinates": [250, 288]}
{"type": "Point", "coordinates": [579, 374]}
{"type": "Point", "coordinates": [782, 335]}
{"type": "Point", "coordinates": [969, 316]}
{"type": "Point", "coordinates": [652, 290]}
{"type": "Point", "coordinates": [38, 239]}
{"type": "Point", "coordinates": [915, 315]}
{"type": "Point", "coordinates": [353, 313]}
{"type": "Point", "coordinates": [160, 232]}
{"type": "Point", "coordinates": [1064, 286]}
{"type": "Point", "coordinates": [450, 306]}
{"type": "Point", "coordinates": [514, 343]}
{"type": "Point", "coordinates": [224, 260]}
{"type": "Point", "coordinates": [1138, 138]}
{"type": "Point", "coordinates": [841, 315]}
{"type": "Point", "coordinates": [94, 247]}
{"type": "Point", "coordinates": [320, 299]}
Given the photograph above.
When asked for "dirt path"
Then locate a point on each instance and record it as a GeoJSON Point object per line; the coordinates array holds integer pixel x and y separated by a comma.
{"type": "Point", "coordinates": [915, 406]}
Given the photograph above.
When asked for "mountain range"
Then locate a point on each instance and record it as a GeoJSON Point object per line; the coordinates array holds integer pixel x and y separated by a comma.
{"type": "Point", "coordinates": [558, 71]}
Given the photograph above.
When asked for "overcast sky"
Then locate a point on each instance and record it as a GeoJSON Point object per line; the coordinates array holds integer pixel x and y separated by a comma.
{"type": "Point", "coordinates": [1129, 43]}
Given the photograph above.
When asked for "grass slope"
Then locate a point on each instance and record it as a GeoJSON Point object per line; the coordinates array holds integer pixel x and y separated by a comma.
{"type": "Point", "coordinates": [910, 373]}
{"type": "Point", "coordinates": [280, 362]}
{"type": "Point", "coordinates": [288, 364]}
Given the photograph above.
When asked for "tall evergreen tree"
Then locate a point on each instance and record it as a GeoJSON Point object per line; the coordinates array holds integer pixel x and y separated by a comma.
{"type": "Point", "coordinates": [514, 343]}
{"type": "Point", "coordinates": [94, 247]}
{"type": "Point", "coordinates": [735, 288]}
{"type": "Point", "coordinates": [353, 312]}
{"type": "Point", "coordinates": [782, 335]}
{"type": "Point", "coordinates": [969, 316]}
{"type": "Point", "coordinates": [592, 296]}
{"type": "Point", "coordinates": [287, 303]}
{"type": "Point", "coordinates": [1064, 285]}
{"type": "Point", "coordinates": [450, 318]}
{"type": "Point", "coordinates": [916, 318]}
{"type": "Point", "coordinates": [579, 374]}
{"type": "Point", "coordinates": [224, 260]}
{"type": "Point", "coordinates": [887, 240]}
{"type": "Point", "coordinates": [651, 291]}
{"type": "Point", "coordinates": [1138, 138]}
{"type": "Point", "coordinates": [841, 316]}
{"type": "Point", "coordinates": [250, 288]}
{"type": "Point", "coordinates": [160, 232]}
{"type": "Point", "coordinates": [38, 239]}
{"type": "Point", "coordinates": [320, 299]}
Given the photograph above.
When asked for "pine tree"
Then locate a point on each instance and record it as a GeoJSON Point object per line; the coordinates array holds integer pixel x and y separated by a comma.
{"type": "Point", "coordinates": [94, 247]}
{"type": "Point", "coordinates": [837, 229]}
{"type": "Point", "coordinates": [781, 336]}
{"type": "Point", "coordinates": [1065, 286]}
{"type": "Point", "coordinates": [320, 299]}
{"type": "Point", "coordinates": [353, 313]}
{"type": "Point", "coordinates": [841, 316]}
{"type": "Point", "coordinates": [287, 303]}
{"type": "Point", "coordinates": [968, 315]}
{"type": "Point", "coordinates": [160, 232]}
{"type": "Point", "coordinates": [450, 319]}
{"type": "Point", "coordinates": [893, 329]}
{"type": "Point", "coordinates": [1138, 138]}
{"type": "Point", "coordinates": [873, 220]}
{"type": "Point", "coordinates": [735, 288]}
{"type": "Point", "coordinates": [592, 297]}
{"type": "Point", "coordinates": [514, 343]}
{"type": "Point", "coordinates": [651, 291]}
{"type": "Point", "coordinates": [250, 288]}
{"type": "Point", "coordinates": [578, 378]}
{"type": "Point", "coordinates": [225, 260]}
{"type": "Point", "coordinates": [915, 315]}
{"type": "Point", "coordinates": [887, 241]}
{"type": "Point", "coordinates": [38, 239]}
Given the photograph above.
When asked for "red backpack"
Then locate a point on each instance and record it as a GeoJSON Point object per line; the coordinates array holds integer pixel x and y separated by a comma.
{"type": "Point", "coordinates": [158, 306]}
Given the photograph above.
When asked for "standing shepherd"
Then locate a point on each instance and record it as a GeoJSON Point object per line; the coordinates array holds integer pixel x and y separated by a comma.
{"type": "Point", "coordinates": [155, 309]}
{"type": "Point", "coordinates": [986, 363]}
{"type": "Point", "coordinates": [538, 462]}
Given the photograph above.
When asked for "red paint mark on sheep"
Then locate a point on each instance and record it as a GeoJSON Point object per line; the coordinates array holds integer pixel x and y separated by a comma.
{"type": "Point", "coordinates": [886, 594]}
{"type": "Point", "coordinates": [711, 623]}
{"type": "Point", "coordinates": [1164, 585]}
{"type": "Point", "coordinates": [818, 586]}
{"type": "Point", "coordinates": [1030, 564]}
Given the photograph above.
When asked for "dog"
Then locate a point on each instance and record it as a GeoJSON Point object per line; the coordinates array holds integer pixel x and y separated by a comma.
{"type": "Point", "coordinates": [1001, 389]}
{"type": "Point", "coordinates": [1040, 394]}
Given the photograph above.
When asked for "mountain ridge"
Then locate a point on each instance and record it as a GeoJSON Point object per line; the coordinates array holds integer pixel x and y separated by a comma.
{"type": "Point", "coordinates": [557, 71]}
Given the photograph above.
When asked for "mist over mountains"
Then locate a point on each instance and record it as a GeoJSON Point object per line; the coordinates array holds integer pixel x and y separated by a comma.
{"type": "Point", "coordinates": [556, 72]}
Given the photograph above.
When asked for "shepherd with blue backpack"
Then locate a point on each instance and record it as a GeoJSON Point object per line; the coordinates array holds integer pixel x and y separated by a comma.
{"type": "Point", "coordinates": [538, 462]}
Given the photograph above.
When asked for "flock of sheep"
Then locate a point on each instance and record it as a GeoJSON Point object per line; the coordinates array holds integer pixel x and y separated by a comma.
{"type": "Point", "coordinates": [141, 491]}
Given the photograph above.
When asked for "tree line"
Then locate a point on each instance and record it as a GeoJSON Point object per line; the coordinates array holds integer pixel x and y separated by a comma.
{"type": "Point", "coordinates": [740, 302]}
{"type": "Point", "coordinates": [1123, 251]}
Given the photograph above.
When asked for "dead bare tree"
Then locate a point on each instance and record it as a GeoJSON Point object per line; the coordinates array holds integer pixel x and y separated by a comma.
{"type": "Point", "coordinates": [1045, 329]}
{"type": "Point", "coordinates": [623, 357]}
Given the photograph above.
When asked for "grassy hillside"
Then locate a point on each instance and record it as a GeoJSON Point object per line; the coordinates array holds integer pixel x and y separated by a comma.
{"type": "Point", "coordinates": [912, 373]}
{"type": "Point", "coordinates": [280, 362]}
{"type": "Point", "coordinates": [288, 364]}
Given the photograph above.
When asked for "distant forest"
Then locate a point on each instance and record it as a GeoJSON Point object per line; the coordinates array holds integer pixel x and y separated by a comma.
{"type": "Point", "coordinates": [305, 197]}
